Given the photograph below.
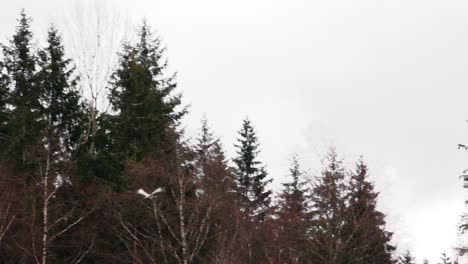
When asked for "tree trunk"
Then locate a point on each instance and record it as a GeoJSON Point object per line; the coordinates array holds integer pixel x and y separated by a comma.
{"type": "Point", "coordinates": [45, 209]}
{"type": "Point", "coordinates": [183, 235]}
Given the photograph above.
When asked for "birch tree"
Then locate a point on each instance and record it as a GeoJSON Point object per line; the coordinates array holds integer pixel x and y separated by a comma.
{"type": "Point", "coordinates": [95, 33]}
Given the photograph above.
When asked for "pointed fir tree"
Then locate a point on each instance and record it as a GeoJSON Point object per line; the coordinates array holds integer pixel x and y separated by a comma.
{"type": "Point", "coordinates": [364, 224]}
{"type": "Point", "coordinates": [213, 173]}
{"type": "Point", "coordinates": [215, 182]}
{"type": "Point", "coordinates": [61, 116]}
{"type": "Point", "coordinates": [62, 110]}
{"type": "Point", "coordinates": [293, 203]}
{"type": "Point", "coordinates": [141, 94]}
{"type": "Point", "coordinates": [329, 213]}
{"type": "Point", "coordinates": [205, 142]}
{"type": "Point", "coordinates": [293, 216]}
{"type": "Point", "coordinates": [251, 174]}
{"type": "Point", "coordinates": [140, 140]}
{"type": "Point", "coordinates": [25, 123]}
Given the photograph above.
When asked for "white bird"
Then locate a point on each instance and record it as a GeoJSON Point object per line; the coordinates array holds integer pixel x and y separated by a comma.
{"type": "Point", "coordinates": [149, 195]}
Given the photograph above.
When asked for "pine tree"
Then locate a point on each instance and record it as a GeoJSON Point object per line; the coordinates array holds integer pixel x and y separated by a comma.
{"type": "Point", "coordinates": [214, 174]}
{"type": "Point", "coordinates": [142, 138]}
{"type": "Point", "coordinates": [62, 110]}
{"type": "Point", "coordinates": [145, 118]}
{"type": "Point", "coordinates": [61, 116]}
{"type": "Point", "coordinates": [215, 187]}
{"type": "Point", "coordinates": [406, 258]}
{"type": "Point", "coordinates": [329, 213]}
{"type": "Point", "coordinates": [251, 174]}
{"type": "Point", "coordinates": [25, 122]}
{"type": "Point", "coordinates": [293, 203]}
{"type": "Point", "coordinates": [142, 96]}
{"type": "Point", "coordinates": [368, 240]}
{"type": "Point", "coordinates": [293, 216]}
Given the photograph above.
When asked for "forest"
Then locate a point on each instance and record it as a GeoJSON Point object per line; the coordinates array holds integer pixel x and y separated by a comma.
{"type": "Point", "coordinates": [79, 184]}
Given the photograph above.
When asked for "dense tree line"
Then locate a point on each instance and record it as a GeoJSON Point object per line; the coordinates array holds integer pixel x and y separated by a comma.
{"type": "Point", "coordinates": [69, 194]}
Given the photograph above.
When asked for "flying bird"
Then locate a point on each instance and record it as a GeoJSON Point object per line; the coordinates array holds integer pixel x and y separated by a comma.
{"type": "Point", "coordinates": [149, 195]}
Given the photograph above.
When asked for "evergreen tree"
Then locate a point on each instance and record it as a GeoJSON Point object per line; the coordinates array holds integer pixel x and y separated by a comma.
{"type": "Point", "coordinates": [141, 142]}
{"type": "Point", "coordinates": [251, 174]}
{"type": "Point", "coordinates": [213, 172]}
{"type": "Point", "coordinates": [25, 122]}
{"type": "Point", "coordinates": [42, 133]}
{"type": "Point", "coordinates": [293, 217]}
{"type": "Point", "coordinates": [145, 118]}
{"type": "Point", "coordinates": [147, 114]}
{"type": "Point", "coordinates": [294, 201]}
{"type": "Point", "coordinates": [368, 240]}
{"type": "Point", "coordinates": [62, 116]}
{"type": "Point", "coordinates": [62, 110]}
{"type": "Point", "coordinates": [329, 213]}
{"type": "Point", "coordinates": [215, 182]}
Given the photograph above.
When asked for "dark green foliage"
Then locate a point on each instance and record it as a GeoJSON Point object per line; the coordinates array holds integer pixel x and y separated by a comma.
{"type": "Point", "coordinates": [104, 166]}
{"type": "Point", "coordinates": [213, 173]}
{"type": "Point", "coordinates": [251, 174]}
{"type": "Point", "coordinates": [294, 199]}
{"type": "Point", "coordinates": [24, 122]}
{"type": "Point", "coordinates": [141, 95]}
{"type": "Point", "coordinates": [368, 240]}
{"type": "Point", "coordinates": [293, 217]}
{"type": "Point", "coordinates": [346, 226]}
{"type": "Point", "coordinates": [62, 110]}
{"type": "Point", "coordinates": [329, 213]}
{"type": "Point", "coordinates": [53, 162]}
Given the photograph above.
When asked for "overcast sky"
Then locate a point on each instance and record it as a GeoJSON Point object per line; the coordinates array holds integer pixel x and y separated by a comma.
{"type": "Point", "coordinates": [384, 79]}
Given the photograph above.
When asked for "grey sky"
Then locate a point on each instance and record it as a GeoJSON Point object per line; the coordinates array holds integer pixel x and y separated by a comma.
{"type": "Point", "coordinates": [383, 79]}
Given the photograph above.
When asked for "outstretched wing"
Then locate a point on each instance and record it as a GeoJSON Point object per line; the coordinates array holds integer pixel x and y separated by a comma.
{"type": "Point", "coordinates": [142, 192]}
{"type": "Point", "coordinates": [158, 190]}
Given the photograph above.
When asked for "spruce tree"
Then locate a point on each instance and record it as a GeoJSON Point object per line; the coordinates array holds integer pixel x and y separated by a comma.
{"type": "Point", "coordinates": [61, 117]}
{"type": "Point", "coordinates": [145, 117]}
{"type": "Point", "coordinates": [62, 110]}
{"type": "Point", "coordinates": [293, 216]}
{"type": "Point", "coordinates": [251, 174]}
{"type": "Point", "coordinates": [364, 224]}
{"type": "Point", "coordinates": [215, 182]}
{"type": "Point", "coordinates": [213, 173]}
{"type": "Point", "coordinates": [294, 201]}
{"type": "Point", "coordinates": [25, 123]}
{"type": "Point", "coordinates": [141, 141]}
{"type": "Point", "coordinates": [329, 213]}
{"type": "Point", "coordinates": [147, 111]}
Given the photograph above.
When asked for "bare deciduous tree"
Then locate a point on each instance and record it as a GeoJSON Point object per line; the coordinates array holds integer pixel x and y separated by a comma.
{"type": "Point", "coordinates": [179, 228]}
{"type": "Point", "coordinates": [7, 206]}
{"type": "Point", "coordinates": [95, 32]}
